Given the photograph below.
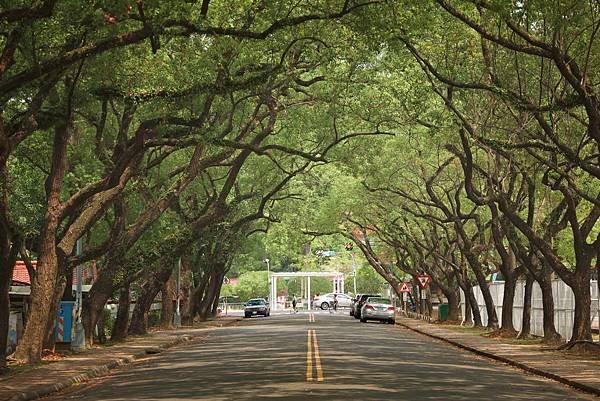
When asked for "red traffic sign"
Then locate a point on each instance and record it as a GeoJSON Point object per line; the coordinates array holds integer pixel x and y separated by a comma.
{"type": "Point", "coordinates": [424, 280]}
{"type": "Point", "coordinates": [404, 287]}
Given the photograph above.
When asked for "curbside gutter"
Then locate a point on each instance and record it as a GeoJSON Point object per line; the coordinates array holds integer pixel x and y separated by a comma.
{"type": "Point", "coordinates": [508, 361]}
{"type": "Point", "coordinates": [106, 368]}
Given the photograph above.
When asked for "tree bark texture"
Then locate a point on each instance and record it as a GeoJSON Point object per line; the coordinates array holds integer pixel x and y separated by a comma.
{"type": "Point", "coordinates": [526, 318]}
{"type": "Point", "coordinates": [119, 331]}
{"type": "Point", "coordinates": [550, 333]}
{"type": "Point", "coordinates": [167, 310]}
{"type": "Point", "coordinates": [150, 289]}
{"type": "Point", "coordinates": [29, 349]}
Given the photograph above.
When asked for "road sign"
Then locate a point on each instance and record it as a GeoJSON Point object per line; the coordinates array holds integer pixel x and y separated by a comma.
{"type": "Point", "coordinates": [424, 280]}
{"type": "Point", "coordinates": [226, 280]}
{"type": "Point", "coordinates": [404, 287]}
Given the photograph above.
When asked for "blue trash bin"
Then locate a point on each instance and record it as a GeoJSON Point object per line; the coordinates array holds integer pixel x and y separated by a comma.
{"type": "Point", "coordinates": [64, 322]}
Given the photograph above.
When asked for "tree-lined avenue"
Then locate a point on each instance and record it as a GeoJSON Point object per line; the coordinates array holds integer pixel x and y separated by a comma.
{"type": "Point", "coordinates": [267, 358]}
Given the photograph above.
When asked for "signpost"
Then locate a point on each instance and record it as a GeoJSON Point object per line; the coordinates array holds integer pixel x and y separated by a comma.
{"type": "Point", "coordinates": [423, 281]}
{"type": "Point", "coordinates": [404, 289]}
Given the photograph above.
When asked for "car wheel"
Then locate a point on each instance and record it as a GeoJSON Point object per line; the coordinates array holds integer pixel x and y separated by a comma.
{"type": "Point", "coordinates": [391, 321]}
{"type": "Point", "coordinates": [324, 306]}
{"type": "Point", "coordinates": [247, 316]}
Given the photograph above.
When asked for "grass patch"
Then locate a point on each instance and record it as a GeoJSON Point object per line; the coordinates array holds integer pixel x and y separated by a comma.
{"type": "Point", "coordinates": [483, 332]}
{"type": "Point", "coordinates": [479, 331]}
{"type": "Point", "coordinates": [16, 368]}
{"type": "Point", "coordinates": [523, 341]}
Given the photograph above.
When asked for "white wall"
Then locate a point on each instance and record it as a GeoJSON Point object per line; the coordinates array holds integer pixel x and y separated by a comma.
{"type": "Point", "coordinates": [564, 306]}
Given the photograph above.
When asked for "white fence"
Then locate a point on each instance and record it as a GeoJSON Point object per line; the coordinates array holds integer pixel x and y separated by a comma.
{"type": "Point", "coordinates": [564, 306]}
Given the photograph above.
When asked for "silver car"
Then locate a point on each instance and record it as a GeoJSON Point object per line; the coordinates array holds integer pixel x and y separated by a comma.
{"type": "Point", "coordinates": [325, 301]}
{"type": "Point", "coordinates": [377, 308]}
{"type": "Point", "coordinates": [257, 306]}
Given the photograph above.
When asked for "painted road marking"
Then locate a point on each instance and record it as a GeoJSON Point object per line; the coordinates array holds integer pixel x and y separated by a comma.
{"type": "Point", "coordinates": [311, 318]}
{"type": "Point", "coordinates": [313, 349]}
{"type": "Point", "coordinates": [309, 368]}
{"type": "Point", "coordinates": [317, 358]}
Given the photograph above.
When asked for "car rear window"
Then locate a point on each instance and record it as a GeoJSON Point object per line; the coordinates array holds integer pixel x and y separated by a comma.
{"type": "Point", "coordinates": [254, 302]}
{"type": "Point", "coordinates": [365, 297]}
{"type": "Point", "coordinates": [379, 301]}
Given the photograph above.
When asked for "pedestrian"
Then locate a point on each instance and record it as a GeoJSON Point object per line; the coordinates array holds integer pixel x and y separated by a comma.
{"type": "Point", "coordinates": [335, 302]}
{"type": "Point", "coordinates": [294, 302]}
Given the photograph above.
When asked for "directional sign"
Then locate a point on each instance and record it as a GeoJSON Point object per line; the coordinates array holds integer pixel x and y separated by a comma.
{"type": "Point", "coordinates": [424, 280]}
{"type": "Point", "coordinates": [404, 287]}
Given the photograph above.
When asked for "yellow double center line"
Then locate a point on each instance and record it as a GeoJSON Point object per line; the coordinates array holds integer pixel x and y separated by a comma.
{"type": "Point", "coordinates": [313, 351]}
{"type": "Point", "coordinates": [311, 318]}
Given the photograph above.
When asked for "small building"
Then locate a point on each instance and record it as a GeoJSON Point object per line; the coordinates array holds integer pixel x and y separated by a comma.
{"type": "Point", "coordinates": [20, 297]}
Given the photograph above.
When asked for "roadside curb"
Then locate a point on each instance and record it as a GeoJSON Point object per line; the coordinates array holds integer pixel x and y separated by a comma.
{"type": "Point", "coordinates": [107, 367]}
{"type": "Point", "coordinates": [508, 361]}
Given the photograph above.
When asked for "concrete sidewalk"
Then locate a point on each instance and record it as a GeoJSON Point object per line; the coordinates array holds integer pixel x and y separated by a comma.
{"type": "Point", "coordinates": [80, 367]}
{"type": "Point", "coordinates": [580, 372]}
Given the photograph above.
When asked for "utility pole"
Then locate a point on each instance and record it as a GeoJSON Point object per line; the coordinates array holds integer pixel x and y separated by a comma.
{"type": "Point", "coordinates": [266, 260]}
{"type": "Point", "coordinates": [78, 342]}
{"type": "Point", "coordinates": [177, 316]}
{"type": "Point", "coordinates": [354, 271]}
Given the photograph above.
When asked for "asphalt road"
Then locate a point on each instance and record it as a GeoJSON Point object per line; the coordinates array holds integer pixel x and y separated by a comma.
{"type": "Point", "coordinates": [319, 356]}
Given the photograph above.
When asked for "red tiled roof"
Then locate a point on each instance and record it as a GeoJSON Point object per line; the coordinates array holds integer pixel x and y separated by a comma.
{"type": "Point", "coordinates": [20, 274]}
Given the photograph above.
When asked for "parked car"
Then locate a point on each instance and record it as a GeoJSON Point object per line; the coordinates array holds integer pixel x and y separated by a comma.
{"type": "Point", "coordinates": [358, 304]}
{"type": "Point", "coordinates": [257, 306]}
{"type": "Point", "coordinates": [325, 301]}
{"type": "Point", "coordinates": [377, 308]}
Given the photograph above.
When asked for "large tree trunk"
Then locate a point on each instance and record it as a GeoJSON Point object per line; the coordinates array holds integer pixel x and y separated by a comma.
{"type": "Point", "coordinates": [29, 349]}
{"type": "Point", "coordinates": [101, 328]}
{"type": "Point", "coordinates": [551, 336]}
{"type": "Point", "coordinates": [212, 290]}
{"type": "Point", "coordinates": [477, 322]}
{"type": "Point", "coordinates": [508, 267]}
{"type": "Point", "coordinates": [139, 318]}
{"type": "Point", "coordinates": [526, 318]}
{"type": "Point", "coordinates": [582, 330]}
{"type": "Point", "coordinates": [150, 289]}
{"type": "Point", "coordinates": [49, 338]}
{"type": "Point", "coordinates": [468, 317]}
{"type": "Point", "coordinates": [94, 303]}
{"type": "Point", "coordinates": [167, 310]}
{"type": "Point", "coordinates": [508, 302]}
{"type": "Point", "coordinates": [7, 261]}
{"type": "Point", "coordinates": [490, 308]}
{"type": "Point", "coordinates": [453, 306]}
{"type": "Point", "coordinates": [43, 299]}
{"type": "Point", "coordinates": [121, 325]}
{"type": "Point", "coordinates": [215, 306]}
{"type": "Point", "coordinates": [195, 300]}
